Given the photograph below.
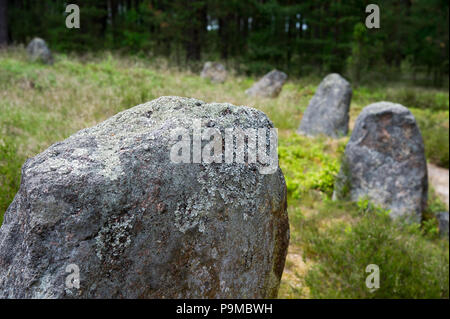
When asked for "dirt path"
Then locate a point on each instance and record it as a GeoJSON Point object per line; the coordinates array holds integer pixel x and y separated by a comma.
{"type": "Point", "coordinates": [438, 178]}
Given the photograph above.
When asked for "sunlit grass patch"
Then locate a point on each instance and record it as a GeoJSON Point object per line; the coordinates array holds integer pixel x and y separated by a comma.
{"type": "Point", "coordinates": [411, 265]}
{"type": "Point", "coordinates": [310, 163]}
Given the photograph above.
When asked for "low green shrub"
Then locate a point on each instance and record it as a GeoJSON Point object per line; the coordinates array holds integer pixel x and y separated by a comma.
{"type": "Point", "coordinates": [308, 164]}
{"type": "Point", "coordinates": [411, 265]}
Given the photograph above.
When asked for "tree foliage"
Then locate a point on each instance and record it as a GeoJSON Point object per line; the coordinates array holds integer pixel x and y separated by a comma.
{"type": "Point", "coordinates": [303, 37]}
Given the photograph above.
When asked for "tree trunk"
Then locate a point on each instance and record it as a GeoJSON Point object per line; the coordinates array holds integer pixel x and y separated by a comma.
{"type": "Point", "coordinates": [3, 23]}
{"type": "Point", "coordinates": [195, 34]}
{"type": "Point", "coordinates": [223, 36]}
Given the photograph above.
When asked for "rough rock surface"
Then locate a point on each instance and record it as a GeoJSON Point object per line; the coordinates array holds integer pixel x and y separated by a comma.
{"type": "Point", "coordinates": [327, 112]}
{"type": "Point", "coordinates": [443, 223]}
{"type": "Point", "coordinates": [214, 71]}
{"type": "Point", "coordinates": [385, 161]}
{"type": "Point", "coordinates": [38, 51]}
{"type": "Point", "coordinates": [269, 85]}
{"type": "Point", "coordinates": [110, 200]}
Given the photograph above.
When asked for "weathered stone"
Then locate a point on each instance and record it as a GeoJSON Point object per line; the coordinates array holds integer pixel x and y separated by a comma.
{"type": "Point", "coordinates": [38, 51]}
{"type": "Point", "coordinates": [384, 161]}
{"type": "Point", "coordinates": [442, 218]}
{"type": "Point", "coordinates": [214, 71]}
{"type": "Point", "coordinates": [110, 200]}
{"type": "Point", "coordinates": [327, 112]}
{"type": "Point", "coordinates": [269, 85]}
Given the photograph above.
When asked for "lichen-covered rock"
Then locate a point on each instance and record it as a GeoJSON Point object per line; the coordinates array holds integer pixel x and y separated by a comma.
{"type": "Point", "coordinates": [38, 51]}
{"type": "Point", "coordinates": [269, 85]}
{"type": "Point", "coordinates": [214, 71]}
{"type": "Point", "coordinates": [110, 201]}
{"type": "Point", "coordinates": [327, 112]}
{"type": "Point", "coordinates": [384, 161]}
{"type": "Point", "coordinates": [442, 218]}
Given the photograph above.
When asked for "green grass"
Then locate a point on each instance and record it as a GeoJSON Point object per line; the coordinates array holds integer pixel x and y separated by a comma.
{"type": "Point", "coordinates": [344, 238]}
{"type": "Point", "coordinates": [331, 242]}
{"type": "Point", "coordinates": [435, 129]}
{"type": "Point", "coordinates": [9, 171]}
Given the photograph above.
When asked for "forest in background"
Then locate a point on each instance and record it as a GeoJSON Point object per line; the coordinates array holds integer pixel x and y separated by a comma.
{"type": "Point", "coordinates": [252, 36]}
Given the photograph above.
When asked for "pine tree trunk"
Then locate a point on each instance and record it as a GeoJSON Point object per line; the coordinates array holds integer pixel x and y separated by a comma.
{"type": "Point", "coordinates": [3, 23]}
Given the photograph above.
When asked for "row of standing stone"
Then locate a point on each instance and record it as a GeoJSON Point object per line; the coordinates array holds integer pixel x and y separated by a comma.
{"type": "Point", "coordinates": [109, 200]}
{"type": "Point", "coordinates": [384, 160]}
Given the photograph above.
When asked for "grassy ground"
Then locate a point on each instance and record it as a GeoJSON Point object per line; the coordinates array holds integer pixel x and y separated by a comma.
{"type": "Point", "coordinates": [331, 242]}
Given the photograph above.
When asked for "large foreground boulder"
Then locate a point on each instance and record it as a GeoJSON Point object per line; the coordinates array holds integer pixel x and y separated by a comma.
{"type": "Point", "coordinates": [327, 112]}
{"type": "Point", "coordinates": [214, 71]}
{"type": "Point", "coordinates": [113, 204]}
{"type": "Point", "coordinates": [269, 85]}
{"type": "Point", "coordinates": [384, 161]}
{"type": "Point", "coordinates": [38, 51]}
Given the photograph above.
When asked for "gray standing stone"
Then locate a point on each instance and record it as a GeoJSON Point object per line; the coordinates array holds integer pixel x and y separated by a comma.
{"type": "Point", "coordinates": [109, 200]}
{"type": "Point", "coordinates": [38, 51]}
{"type": "Point", "coordinates": [385, 161]}
{"type": "Point", "coordinates": [327, 112]}
{"type": "Point", "coordinates": [214, 71]}
{"type": "Point", "coordinates": [269, 85]}
{"type": "Point", "coordinates": [443, 223]}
